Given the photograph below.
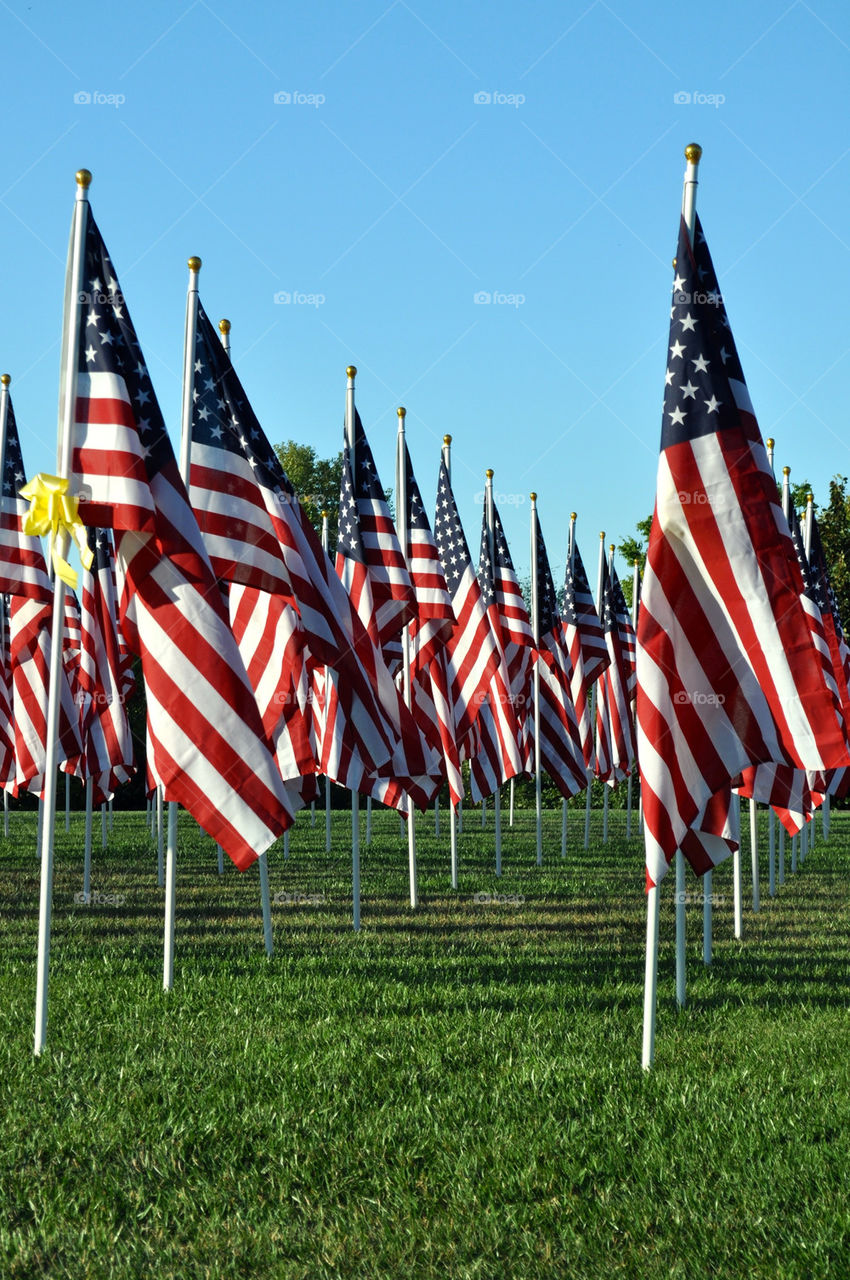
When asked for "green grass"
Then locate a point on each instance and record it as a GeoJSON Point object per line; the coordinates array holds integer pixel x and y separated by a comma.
{"type": "Point", "coordinates": [454, 1092]}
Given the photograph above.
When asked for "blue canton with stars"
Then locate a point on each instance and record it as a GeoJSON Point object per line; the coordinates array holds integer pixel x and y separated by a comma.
{"type": "Point", "coordinates": [15, 477]}
{"type": "Point", "coordinates": [575, 585]}
{"type": "Point", "coordinates": [222, 416]}
{"type": "Point", "coordinates": [485, 566]}
{"type": "Point", "coordinates": [547, 601]}
{"type": "Point", "coordinates": [349, 541]}
{"type": "Point", "coordinates": [701, 355]}
{"type": "Point", "coordinates": [416, 517]}
{"type": "Point", "coordinates": [448, 533]}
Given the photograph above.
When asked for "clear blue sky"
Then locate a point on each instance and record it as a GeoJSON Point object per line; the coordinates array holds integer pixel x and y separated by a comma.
{"type": "Point", "coordinates": [389, 186]}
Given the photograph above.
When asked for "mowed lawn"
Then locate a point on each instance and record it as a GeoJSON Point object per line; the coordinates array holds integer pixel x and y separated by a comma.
{"type": "Point", "coordinates": [452, 1092]}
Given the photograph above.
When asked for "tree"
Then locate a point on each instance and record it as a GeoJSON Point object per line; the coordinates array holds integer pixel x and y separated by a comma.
{"type": "Point", "coordinates": [316, 481]}
{"type": "Point", "coordinates": [632, 549]}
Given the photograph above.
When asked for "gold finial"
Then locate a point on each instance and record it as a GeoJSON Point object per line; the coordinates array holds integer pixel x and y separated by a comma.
{"type": "Point", "coordinates": [447, 439]}
{"type": "Point", "coordinates": [489, 473]}
{"type": "Point", "coordinates": [674, 264]}
{"type": "Point", "coordinates": [693, 153]}
{"type": "Point", "coordinates": [194, 264]}
{"type": "Point", "coordinates": [401, 411]}
{"type": "Point", "coordinates": [770, 442]}
{"type": "Point", "coordinates": [637, 562]}
{"type": "Point", "coordinates": [533, 497]}
{"type": "Point", "coordinates": [325, 515]}
{"type": "Point", "coordinates": [810, 497]}
{"type": "Point", "coordinates": [611, 547]}
{"type": "Point", "coordinates": [83, 177]}
{"type": "Point", "coordinates": [602, 536]}
{"type": "Point", "coordinates": [351, 371]}
{"type": "Point", "coordinates": [573, 515]}
{"type": "Point", "coordinates": [224, 326]}
{"type": "Point", "coordinates": [5, 379]}
{"type": "Point", "coordinates": [786, 471]}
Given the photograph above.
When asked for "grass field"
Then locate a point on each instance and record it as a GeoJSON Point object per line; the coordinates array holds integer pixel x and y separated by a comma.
{"type": "Point", "coordinates": [455, 1092]}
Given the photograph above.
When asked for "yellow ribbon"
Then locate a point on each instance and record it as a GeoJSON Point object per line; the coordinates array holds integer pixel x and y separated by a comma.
{"type": "Point", "coordinates": [53, 511]}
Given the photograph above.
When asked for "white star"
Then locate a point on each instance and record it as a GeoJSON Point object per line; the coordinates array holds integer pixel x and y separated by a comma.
{"type": "Point", "coordinates": [688, 322]}
{"type": "Point", "coordinates": [689, 390]}
{"type": "Point", "coordinates": [678, 284]}
{"type": "Point", "coordinates": [713, 405]}
{"type": "Point", "coordinates": [677, 417]}
{"type": "Point", "coordinates": [668, 378]}
{"type": "Point", "coordinates": [90, 354]}
{"type": "Point", "coordinates": [700, 364]}
{"type": "Point", "coordinates": [92, 318]}
{"type": "Point", "coordinates": [676, 350]}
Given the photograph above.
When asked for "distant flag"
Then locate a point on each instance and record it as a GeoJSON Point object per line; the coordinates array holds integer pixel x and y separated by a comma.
{"type": "Point", "coordinates": [585, 643]}
{"type": "Point", "coordinates": [614, 729]}
{"type": "Point", "coordinates": [560, 743]}
{"type": "Point", "coordinates": [727, 673]}
{"type": "Point", "coordinates": [207, 741]}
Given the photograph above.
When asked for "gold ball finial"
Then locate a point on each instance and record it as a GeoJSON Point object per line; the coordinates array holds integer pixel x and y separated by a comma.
{"type": "Point", "coordinates": [810, 497]}
{"type": "Point", "coordinates": [194, 264]}
{"type": "Point", "coordinates": [770, 442]}
{"type": "Point", "coordinates": [602, 536]}
{"type": "Point", "coordinates": [489, 473]}
{"type": "Point", "coordinates": [637, 562]}
{"type": "Point", "coordinates": [574, 515]}
{"type": "Point", "coordinates": [447, 439]}
{"type": "Point", "coordinates": [533, 496]}
{"type": "Point", "coordinates": [325, 515]}
{"type": "Point", "coordinates": [5, 379]}
{"type": "Point", "coordinates": [83, 177]}
{"type": "Point", "coordinates": [611, 547]}
{"type": "Point", "coordinates": [693, 153]}
{"type": "Point", "coordinates": [401, 411]}
{"type": "Point", "coordinates": [351, 371]}
{"type": "Point", "coordinates": [224, 326]}
{"type": "Point", "coordinates": [786, 471]}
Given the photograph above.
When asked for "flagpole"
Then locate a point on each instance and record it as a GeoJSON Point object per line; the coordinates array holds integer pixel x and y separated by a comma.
{"type": "Point", "coordinates": [5, 380]}
{"type": "Point", "coordinates": [809, 827]}
{"type": "Point", "coordinates": [87, 850]}
{"type": "Point", "coordinates": [491, 549]}
{"type": "Point", "coordinates": [693, 153]}
{"type": "Point", "coordinates": [67, 793]}
{"type": "Point", "coordinates": [325, 536]}
{"type": "Point", "coordinates": [103, 821]}
{"type": "Point", "coordinates": [351, 373]}
{"type": "Point", "coordinates": [74, 287]}
{"type": "Point", "coordinates": [160, 853]}
{"type": "Point", "coordinates": [570, 545]}
{"type": "Point", "coordinates": [535, 625]}
{"type": "Point", "coordinates": [770, 444]}
{"type": "Point", "coordinates": [447, 462]}
{"type": "Point", "coordinates": [593, 730]}
{"type": "Point", "coordinates": [224, 330]}
{"type": "Point", "coordinates": [404, 538]}
{"type": "Point", "coordinates": [605, 786]}
{"type": "Point", "coordinates": [786, 508]}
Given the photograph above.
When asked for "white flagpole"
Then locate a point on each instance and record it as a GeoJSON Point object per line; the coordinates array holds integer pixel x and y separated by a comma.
{"type": "Point", "coordinates": [535, 631]}
{"type": "Point", "coordinates": [605, 787]}
{"type": "Point", "coordinates": [224, 330]}
{"type": "Point", "coordinates": [693, 152]}
{"type": "Point", "coordinates": [736, 879]}
{"type": "Point", "coordinates": [781, 876]}
{"type": "Point", "coordinates": [5, 380]}
{"type": "Point", "coordinates": [570, 545]}
{"type": "Point", "coordinates": [368, 819]}
{"type": "Point", "coordinates": [754, 855]}
{"type": "Point", "coordinates": [404, 539]}
{"type": "Point", "coordinates": [593, 697]}
{"type": "Point", "coordinates": [511, 808]}
{"type": "Point", "coordinates": [453, 824]}
{"type": "Point", "coordinates": [67, 795]}
{"type": "Point", "coordinates": [160, 861]}
{"type": "Point", "coordinates": [491, 547]}
{"type": "Point", "coordinates": [807, 836]}
{"type": "Point", "coordinates": [351, 373]}
{"type": "Point", "coordinates": [327, 780]}
{"type": "Point", "coordinates": [5, 813]}
{"type": "Point", "coordinates": [87, 851]}
{"type": "Point", "coordinates": [437, 816]}
{"type": "Point", "coordinates": [771, 865]}
{"type": "Point", "coordinates": [74, 285]}
{"type": "Point", "coordinates": [103, 826]}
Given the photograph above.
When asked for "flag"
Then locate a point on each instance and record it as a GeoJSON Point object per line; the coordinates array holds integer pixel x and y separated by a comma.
{"type": "Point", "coordinates": [614, 731]}
{"type": "Point", "coordinates": [205, 733]}
{"type": "Point", "coordinates": [585, 644]}
{"type": "Point", "coordinates": [727, 673]}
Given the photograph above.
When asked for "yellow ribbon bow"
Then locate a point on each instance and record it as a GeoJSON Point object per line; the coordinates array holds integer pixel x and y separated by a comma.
{"type": "Point", "coordinates": [54, 510]}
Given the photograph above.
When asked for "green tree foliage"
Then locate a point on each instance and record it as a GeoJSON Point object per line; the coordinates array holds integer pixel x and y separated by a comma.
{"type": "Point", "coordinates": [632, 549]}
{"type": "Point", "coordinates": [316, 481]}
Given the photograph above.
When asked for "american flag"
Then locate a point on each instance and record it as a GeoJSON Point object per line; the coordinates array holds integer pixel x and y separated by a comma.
{"type": "Point", "coordinates": [727, 673]}
{"type": "Point", "coordinates": [502, 723]}
{"type": "Point", "coordinates": [471, 654]}
{"type": "Point", "coordinates": [259, 538]}
{"type": "Point", "coordinates": [393, 595]}
{"type": "Point", "coordinates": [416, 770]}
{"type": "Point", "coordinates": [585, 643]}
{"type": "Point", "coordinates": [614, 730]}
{"type": "Point", "coordinates": [204, 729]}
{"type": "Point", "coordinates": [825, 597]}
{"type": "Point", "coordinates": [7, 731]}
{"type": "Point", "coordinates": [560, 742]}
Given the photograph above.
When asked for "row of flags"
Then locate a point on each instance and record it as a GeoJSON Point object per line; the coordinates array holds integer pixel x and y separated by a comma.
{"type": "Point", "coordinates": [264, 664]}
